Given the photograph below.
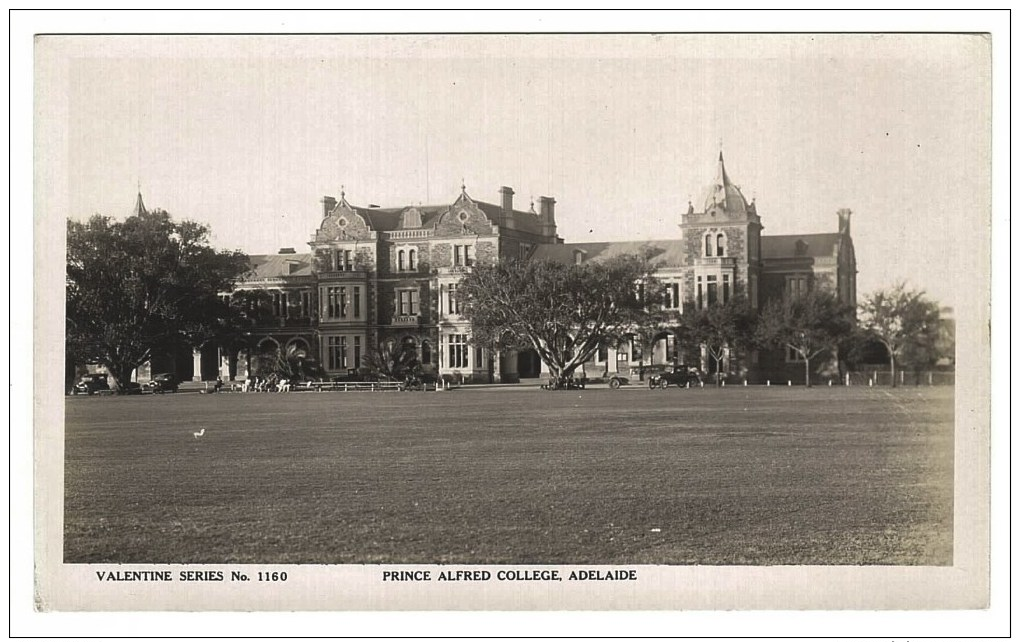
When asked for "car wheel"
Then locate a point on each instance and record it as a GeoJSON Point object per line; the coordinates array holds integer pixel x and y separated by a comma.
{"type": "Point", "coordinates": [652, 384]}
{"type": "Point", "coordinates": [614, 383]}
{"type": "Point", "coordinates": [663, 384]}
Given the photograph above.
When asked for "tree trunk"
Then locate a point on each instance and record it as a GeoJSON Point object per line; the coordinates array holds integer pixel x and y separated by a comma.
{"type": "Point", "coordinates": [892, 369]}
{"type": "Point", "coordinates": [807, 372]}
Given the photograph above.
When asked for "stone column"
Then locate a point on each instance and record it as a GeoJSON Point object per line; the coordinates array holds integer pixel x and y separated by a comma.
{"type": "Point", "coordinates": [497, 367]}
{"type": "Point", "coordinates": [196, 364]}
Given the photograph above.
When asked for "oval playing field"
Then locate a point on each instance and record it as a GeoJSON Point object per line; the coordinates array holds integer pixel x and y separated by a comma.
{"type": "Point", "coordinates": [708, 476]}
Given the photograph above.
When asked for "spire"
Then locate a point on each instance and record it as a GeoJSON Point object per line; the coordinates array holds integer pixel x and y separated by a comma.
{"type": "Point", "coordinates": [722, 192]}
{"type": "Point", "coordinates": [139, 205]}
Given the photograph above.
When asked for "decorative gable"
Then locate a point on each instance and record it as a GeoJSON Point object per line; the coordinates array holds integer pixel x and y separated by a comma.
{"type": "Point", "coordinates": [464, 218]}
{"type": "Point", "coordinates": [342, 224]}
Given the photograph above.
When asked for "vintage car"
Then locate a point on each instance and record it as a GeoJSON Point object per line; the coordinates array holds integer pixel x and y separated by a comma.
{"type": "Point", "coordinates": [90, 384]}
{"type": "Point", "coordinates": [679, 376]}
{"type": "Point", "coordinates": [163, 382]}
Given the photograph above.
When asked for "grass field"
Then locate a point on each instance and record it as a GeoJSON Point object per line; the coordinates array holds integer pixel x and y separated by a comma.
{"type": "Point", "coordinates": [710, 476]}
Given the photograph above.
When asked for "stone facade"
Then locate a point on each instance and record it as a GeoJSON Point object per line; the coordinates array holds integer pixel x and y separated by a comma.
{"type": "Point", "coordinates": [375, 275]}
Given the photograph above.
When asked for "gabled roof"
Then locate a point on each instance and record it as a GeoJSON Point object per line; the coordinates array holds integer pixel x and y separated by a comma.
{"type": "Point", "coordinates": [661, 253]}
{"type": "Point", "coordinates": [267, 266]}
{"type": "Point", "coordinates": [386, 219]}
{"type": "Point", "coordinates": [524, 221]}
{"type": "Point", "coordinates": [789, 246]}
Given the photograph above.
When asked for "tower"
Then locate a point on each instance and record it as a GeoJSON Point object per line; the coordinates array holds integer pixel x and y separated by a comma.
{"type": "Point", "coordinates": [722, 244]}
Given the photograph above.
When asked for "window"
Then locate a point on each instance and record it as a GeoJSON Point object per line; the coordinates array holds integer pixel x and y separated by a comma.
{"type": "Point", "coordinates": [753, 284]}
{"type": "Point", "coordinates": [525, 251]}
{"type": "Point", "coordinates": [306, 304]}
{"type": "Point", "coordinates": [279, 304]}
{"type": "Point", "coordinates": [672, 296]}
{"type": "Point", "coordinates": [603, 354]}
{"type": "Point", "coordinates": [712, 289]}
{"type": "Point", "coordinates": [720, 247]}
{"type": "Point", "coordinates": [336, 351]}
{"type": "Point", "coordinates": [357, 302]}
{"type": "Point", "coordinates": [407, 302]}
{"type": "Point", "coordinates": [458, 351]}
{"type": "Point", "coordinates": [708, 245]}
{"type": "Point", "coordinates": [725, 288]}
{"type": "Point", "coordinates": [701, 299]}
{"type": "Point", "coordinates": [333, 302]}
{"type": "Point", "coordinates": [342, 261]}
{"type": "Point", "coordinates": [453, 306]}
{"type": "Point", "coordinates": [357, 352]}
{"type": "Point", "coordinates": [478, 356]}
{"type": "Point", "coordinates": [400, 260]}
{"type": "Point", "coordinates": [578, 257]}
{"type": "Point", "coordinates": [463, 255]}
{"type": "Point", "coordinates": [796, 286]}
{"type": "Point", "coordinates": [412, 260]}
{"type": "Point", "coordinates": [426, 352]}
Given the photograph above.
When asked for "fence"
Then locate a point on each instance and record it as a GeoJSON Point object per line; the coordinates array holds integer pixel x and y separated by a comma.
{"type": "Point", "coordinates": [904, 378]}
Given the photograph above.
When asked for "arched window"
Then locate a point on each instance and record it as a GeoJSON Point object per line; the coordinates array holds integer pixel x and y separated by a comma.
{"type": "Point", "coordinates": [426, 352]}
{"type": "Point", "coordinates": [412, 259]}
{"type": "Point", "coordinates": [720, 245]}
{"type": "Point", "coordinates": [708, 245]}
{"type": "Point", "coordinates": [400, 260]}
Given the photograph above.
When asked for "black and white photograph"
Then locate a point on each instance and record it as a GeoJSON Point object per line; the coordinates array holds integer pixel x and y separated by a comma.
{"type": "Point", "coordinates": [512, 321]}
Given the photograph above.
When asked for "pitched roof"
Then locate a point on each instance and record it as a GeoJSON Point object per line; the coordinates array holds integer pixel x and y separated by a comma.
{"type": "Point", "coordinates": [267, 266]}
{"type": "Point", "coordinates": [386, 219]}
{"type": "Point", "coordinates": [523, 221]}
{"type": "Point", "coordinates": [662, 253]}
{"type": "Point", "coordinates": [723, 192]}
{"type": "Point", "coordinates": [788, 246]}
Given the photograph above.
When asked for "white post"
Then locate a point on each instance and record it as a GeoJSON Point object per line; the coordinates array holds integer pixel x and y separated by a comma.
{"type": "Point", "coordinates": [789, 383]}
{"type": "Point", "coordinates": [848, 378]}
{"type": "Point", "coordinates": [768, 382]}
{"type": "Point", "coordinates": [745, 383]}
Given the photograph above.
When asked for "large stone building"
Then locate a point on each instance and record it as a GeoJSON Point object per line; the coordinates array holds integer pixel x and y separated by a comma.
{"type": "Point", "coordinates": [390, 274]}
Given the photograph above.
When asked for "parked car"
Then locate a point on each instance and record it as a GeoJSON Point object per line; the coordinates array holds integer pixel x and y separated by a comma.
{"type": "Point", "coordinates": [616, 380]}
{"type": "Point", "coordinates": [164, 382]}
{"type": "Point", "coordinates": [90, 384]}
{"type": "Point", "coordinates": [679, 376]}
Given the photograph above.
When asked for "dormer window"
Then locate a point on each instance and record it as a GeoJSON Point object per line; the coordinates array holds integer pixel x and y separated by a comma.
{"type": "Point", "coordinates": [579, 257]}
{"type": "Point", "coordinates": [342, 261]}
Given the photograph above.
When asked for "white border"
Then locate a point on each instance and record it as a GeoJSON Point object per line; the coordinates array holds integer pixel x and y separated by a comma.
{"type": "Point", "coordinates": [942, 624]}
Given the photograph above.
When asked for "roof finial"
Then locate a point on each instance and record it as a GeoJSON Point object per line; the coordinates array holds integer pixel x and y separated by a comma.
{"type": "Point", "coordinates": [342, 193]}
{"type": "Point", "coordinates": [532, 197]}
{"type": "Point", "coordinates": [463, 187]}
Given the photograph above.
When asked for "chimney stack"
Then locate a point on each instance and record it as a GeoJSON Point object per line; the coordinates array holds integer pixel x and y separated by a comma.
{"type": "Point", "coordinates": [547, 213]}
{"type": "Point", "coordinates": [328, 203]}
{"type": "Point", "coordinates": [844, 221]}
{"type": "Point", "coordinates": [508, 199]}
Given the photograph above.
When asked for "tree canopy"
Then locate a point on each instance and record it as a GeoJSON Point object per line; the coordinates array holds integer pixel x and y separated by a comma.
{"type": "Point", "coordinates": [809, 325]}
{"type": "Point", "coordinates": [146, 285]}
{"type": "Point", "coordinates": [564, 312]}
{"type": "Point", "coordinates": [905, 321]}
{"type": "Point", "coordinates": [720, 327]}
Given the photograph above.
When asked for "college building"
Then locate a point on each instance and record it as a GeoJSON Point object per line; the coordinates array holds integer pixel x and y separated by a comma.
{"type": "Point", "coordinates": [376, 274]}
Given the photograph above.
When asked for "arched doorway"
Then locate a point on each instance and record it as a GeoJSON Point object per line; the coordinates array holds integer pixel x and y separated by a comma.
{"type": "Point", "coordinates": [266, 357]}
{"type": "Point", "coordinates": [529, 364]}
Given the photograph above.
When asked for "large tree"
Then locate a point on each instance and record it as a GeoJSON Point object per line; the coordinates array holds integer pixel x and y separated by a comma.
{"type": "Point", "coordinates": [809, 325]}
{"type": "Point", "coordinates": [144, 286]}
{"type": "Point", "coordinates": [562, 311]}
{"type": "Point", "coordinates": [720, 328]}
{"type": "Point", "coordinates": [905, 321]}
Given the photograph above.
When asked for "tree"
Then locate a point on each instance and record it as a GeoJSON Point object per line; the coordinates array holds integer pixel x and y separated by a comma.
{"type": "Point", "coordinates": [809, 325]}
{"type": "Point", "coordinates": [720, 327]}
{"type": "Point", "coordinates": [905, 321]}
{"type": "Point", "coordinates": [144, 286]}
{"type": "Point", "coordinates": [392, 360]}
{"type": "Point", "coordinates": [564, 312]}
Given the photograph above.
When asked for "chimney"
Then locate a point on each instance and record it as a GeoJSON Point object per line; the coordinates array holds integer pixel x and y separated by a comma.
{"type": "Point", "coordinates": [547, 210]}
{"type": "Point", "coordinates": [508, 199]}
{"type": "Point", "coordinates": [287, 250]}
{"type": "Point", "coordinates": [844, 221]}
{"type": "Point", "coordinates": [328, 203]}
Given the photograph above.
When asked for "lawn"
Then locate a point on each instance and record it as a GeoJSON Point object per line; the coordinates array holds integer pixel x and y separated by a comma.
{"type": "Point", "coordinates": [708, 476]}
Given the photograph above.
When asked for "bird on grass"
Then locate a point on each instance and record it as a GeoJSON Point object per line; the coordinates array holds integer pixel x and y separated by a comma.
{"type": "Point", "coordinates": [199, 433]}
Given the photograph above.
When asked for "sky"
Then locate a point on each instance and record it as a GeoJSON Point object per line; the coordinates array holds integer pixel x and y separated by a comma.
{"type": "Point", "coordinates": [246, 134]}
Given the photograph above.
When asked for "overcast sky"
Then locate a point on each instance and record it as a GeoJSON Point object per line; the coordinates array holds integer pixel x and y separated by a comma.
{"type": "Point", "coordinates": [247, 134]}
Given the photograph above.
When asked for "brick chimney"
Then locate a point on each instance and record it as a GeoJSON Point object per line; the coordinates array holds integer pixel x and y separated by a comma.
{"type": "Point", "coordinates": [508, 199]}
{"type": "Point", "coordinates": [328, 203]}
{"type": "Point", "coordinates": [547, 213]}
{"type": "Point", "coordinates": [844, 221]}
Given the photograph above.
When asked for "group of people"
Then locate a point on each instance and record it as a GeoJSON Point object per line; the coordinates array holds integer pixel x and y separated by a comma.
{"type": "Point", "coordinates": [272, 383]}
